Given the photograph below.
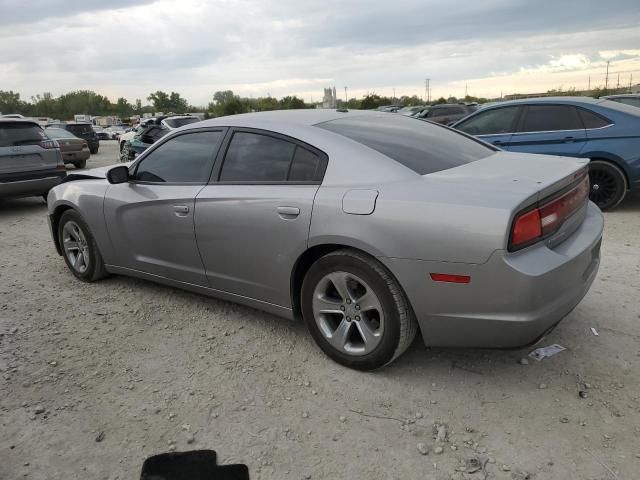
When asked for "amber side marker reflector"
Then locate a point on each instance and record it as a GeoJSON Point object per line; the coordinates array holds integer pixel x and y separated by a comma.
{"type": "Point", "coordinates": [445, 277]}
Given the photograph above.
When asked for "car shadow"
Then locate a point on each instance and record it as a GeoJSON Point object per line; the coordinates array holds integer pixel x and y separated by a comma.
{"type": "Point", "coordinates": [18, 206]}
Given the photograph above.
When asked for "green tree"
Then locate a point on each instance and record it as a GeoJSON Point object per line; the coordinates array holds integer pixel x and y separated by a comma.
{"type": "Point", "coordinates": [10, 103]}
{"type": "Point", "coordinates": [226, 103]}
{"type": "Point", "coordinates": [168, 102]}
{"type": "Point", "coordinates": [292, 103]}
{"type": "Point", "coordinates": [45, 105]}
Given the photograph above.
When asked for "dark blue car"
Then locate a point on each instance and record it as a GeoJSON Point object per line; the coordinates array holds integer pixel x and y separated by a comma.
{"type": "Point", "coordinates": [606, 132]}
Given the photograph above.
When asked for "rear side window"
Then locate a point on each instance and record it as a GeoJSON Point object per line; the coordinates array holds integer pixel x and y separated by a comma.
{"type": "Point", "coordinates": [253, 157]}
{"type": "Point", "coordinates": [491, 122]}
{"type": "Point", "coordinates": [591, 120]}
{"type": "Point", "coordinates": [183, 159]}
{"type": "Point", "coordinates": [305, 166]}
{"type": "Point", "coordinates": [16, 134]}
{"type": "Point", "coordinates": [547, 118]}
{"type": "Point", "coordinates": [421, 146]}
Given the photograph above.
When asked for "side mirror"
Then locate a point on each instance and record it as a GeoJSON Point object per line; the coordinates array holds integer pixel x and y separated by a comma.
{"type": "Point", "coordinates": [118, 174]}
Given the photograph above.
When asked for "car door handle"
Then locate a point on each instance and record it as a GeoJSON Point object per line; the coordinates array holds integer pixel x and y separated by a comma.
{"type": "Point", "coordinates": [497, 142]}
{"type": "Point", "coordinates": [288, 212]}
{"type": "Point", "coordinates": [181, 210]}
{"type": "Point", "coordinates": [569, 139]}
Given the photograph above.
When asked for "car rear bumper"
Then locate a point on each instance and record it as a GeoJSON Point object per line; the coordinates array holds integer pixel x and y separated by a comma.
{"type": "Point", "coordinates": [512, 300]}
{"type": "Point", "coordinates": [27, 184]}
{"type": "Point", "coordinates": [72, 157]}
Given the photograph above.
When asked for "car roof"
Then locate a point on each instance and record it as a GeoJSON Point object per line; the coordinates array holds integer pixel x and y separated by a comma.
{"type": "Point", "coordinates": [568, 100]}
{"type": "Point", "coordinates": [622, 95]}
{"type": "Point", "coordinates": [18, 120]}
{"type": "Point", "coordinates": [302, 117]}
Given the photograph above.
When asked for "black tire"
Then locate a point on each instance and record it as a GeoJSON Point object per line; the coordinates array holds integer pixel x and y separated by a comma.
{"type": "Point", "coordinates": [608, 184]}
{"type": "Point", "coordinates": [93, 150]}
{"type": "Point", "coordinates": [81, 164]}
{"type": "Point", "coordinates": [95, 269]}
{"type": "Point", "coordinates": [400, 326]}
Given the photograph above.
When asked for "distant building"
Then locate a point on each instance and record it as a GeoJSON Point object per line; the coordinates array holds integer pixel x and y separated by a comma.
{"type": "Point", "coordinates": [329, 99]}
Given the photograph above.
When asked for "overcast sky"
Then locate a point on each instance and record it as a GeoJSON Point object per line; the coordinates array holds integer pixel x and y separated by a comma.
{"type": "Point", "coordinates": [258, 47]}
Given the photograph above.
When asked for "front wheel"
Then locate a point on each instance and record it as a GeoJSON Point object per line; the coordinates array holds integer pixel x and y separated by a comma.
{"type": "Point", "coordinates": [79, 248]}
{"type": "Point", "coordinates": [356, 311]}
{"type": "Point", "coordinates": [608, 184]}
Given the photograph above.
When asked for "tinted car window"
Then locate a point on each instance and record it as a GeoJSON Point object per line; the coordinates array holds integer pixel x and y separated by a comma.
{"type": "Point", "coordinates": [418, 145]}
{"type": "Point", "coordinates": [635, 101]}
{"type": "Point", "coordinates": [185, 158]}
{"type": "Point", "coordinates": [80, 128]}
{"type": "Point", "coordinates": [490, 122]}
{"type": "Point", "coordinates": [546, 118]}
{"type": "Point", "coordinates": [179, 122]}
{"type": "Point", "coordinates": [55, 133]}
{"type": "Point", "coordinates": [591, 120]}
{"type": "Point", "coordinates": [16, 134]}
{"type": "Point", "coordinates": [305, 166]}
{"type": "Point", "coordinates": [253, 157]}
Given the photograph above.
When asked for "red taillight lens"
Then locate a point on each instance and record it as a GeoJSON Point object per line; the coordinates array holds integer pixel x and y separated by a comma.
{"type": "Point", "coordinates": [526, 228]}
{"type": "Point", "coordinates": [49, 144]}
{"type": "Point", "coordinates": [533, 225]}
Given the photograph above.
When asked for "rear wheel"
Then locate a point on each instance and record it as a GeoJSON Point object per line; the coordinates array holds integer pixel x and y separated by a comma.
{"type": "Point", "coordinates": [81, 164]}
{"type": "Point", "coordinates": [356, 311]}
{"type": "Point", "coordinates": [79, 248]}
{"type": "Point", "coordinates": [608, 184]}
{"type": "Point", "coordinates": [93, 150]}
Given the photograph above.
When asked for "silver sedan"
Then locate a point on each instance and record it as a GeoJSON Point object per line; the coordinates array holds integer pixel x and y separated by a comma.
{"type": "Point", "coordinates": [369, 226]}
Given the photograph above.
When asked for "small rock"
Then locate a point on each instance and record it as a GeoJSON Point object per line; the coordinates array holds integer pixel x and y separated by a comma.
{"type": "Point", "coordinates": [191, 439]}
{"type": "Point", "coordinates": [313, 392]}
{"type": "Point", "coordinates": [441, 435]}
{"type": "Point", "coordinates": [419, 415]}
{"type": "Point", "coordinates": [53, 363]}
{"type": "Point", "coordinates": [100, 437]}
{"type": "Point", "coordinates": [582, 394]}
{"type": "Point", "coordinates": [542, 386]}
{"type": "Point", "coordinates": [438, 450]}
{"type": "Point", "coordinates": [343, 418]}
{"type": "Point", "coordinates": [307, 383]}
{"type": "Point", "coordinates": [38, 410]}
{"type": "Point", "coordinates": [564, 419]}
{"type": "Point", "coordinates": [506, 468]}
{"type": "Point", "coordinates": [523, 361]}
{"type": "Point", "coordinates": [422, 448]}
{"type": "Point", "coordinates": [14, 330]}
{"type": "Point", "coordinates": [305, 414]}
{"type": "Point", "coordinates": [491, 460]}
{"type": "Point", "coordinates": [172, 448]}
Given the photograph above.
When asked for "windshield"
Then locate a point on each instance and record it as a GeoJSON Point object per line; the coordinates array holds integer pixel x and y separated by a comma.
{"type": "Point", "coordinates": [56, 133]}
{"type": "Point", "coordinates": [80, 128]}
{"type": "Point", "coordinates": [421, 146]}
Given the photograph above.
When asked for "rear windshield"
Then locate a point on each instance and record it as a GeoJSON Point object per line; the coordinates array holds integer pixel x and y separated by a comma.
{"type": "Point", "coordinates": [179, 122]}
{"type": "Point", "coordinates": [16, 134]}
{"type": "Point", "coordinates": [56, 133]}
{"type": "Point", "coordinates": [80, 128]}
{"type": "Point", "coordinates": [421, 146]}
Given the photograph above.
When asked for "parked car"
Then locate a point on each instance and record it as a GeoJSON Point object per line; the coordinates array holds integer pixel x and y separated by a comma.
{"type": "Point", "coordinates": [177, 121]}
{"type": "Point", "coordinates": [81, 130]}
{"type": "Point", "coordinates": [632, 99]}
{"type": "Point", "coordinates": [606, 133]}
{"type": "Point", "coordinates": [411, 110]}
{"type": "Point", "coordinates": [74, 150]}
{"type": "Point", "coordinates": [30, 162]}
{"type": "Point", "coordinates": [141, 141]}
{"type": "Point", "coordinates": [447, 113]}
{"type": "Point", "coordinates": [115, 131]}
{"type": "Point", "coordinates": [129, 135]}
{"type": "Point", "coordinates": [414, 225]}
{"type": "Point", "coordinates": [101, 132]}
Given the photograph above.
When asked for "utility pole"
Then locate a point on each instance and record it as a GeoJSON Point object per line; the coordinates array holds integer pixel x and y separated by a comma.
{"type": "Point", "coordinates": [606, 78]}
{"type": "Point", "coordinates": [589, 87]}
{"type": "Point", "coordinates": [346, 98]}
{"type": "Point", "coordinates": [426, 86]}
{"type": "Point", "coordinates": [630, 80]}
{"type": "Point", "coordinates": [466, 94]}
{"type": "Point", "coordinates": [394, 94]}
{"type": "Point", "coordinates": [618, 84]}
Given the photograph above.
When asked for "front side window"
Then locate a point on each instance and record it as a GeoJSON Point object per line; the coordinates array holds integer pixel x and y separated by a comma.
{"type": "Point", "coordinates": [547, 118]}
{"type": "Point", "coordinates": [183, 159]}
{"type": "Point", "coordinates": [491, 122]}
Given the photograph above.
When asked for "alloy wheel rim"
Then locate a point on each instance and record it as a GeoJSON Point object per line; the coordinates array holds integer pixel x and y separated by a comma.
{"type": "Point", "coordinates": [75, 247]}
{"type": "Point", "coordinates": [348, 313]}
{"type": "Point", "coordinates": [603, 187]}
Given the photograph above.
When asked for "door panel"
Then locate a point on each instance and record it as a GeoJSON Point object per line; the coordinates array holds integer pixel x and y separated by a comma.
{"type": "Point", "coordinates": [250, 236]}
{"type": "Point", "coordinates": [151, 229]}
{"type": "Point", "coordinates": [568, 143]}
{"type": "Point", "coordinates": [500, 140]}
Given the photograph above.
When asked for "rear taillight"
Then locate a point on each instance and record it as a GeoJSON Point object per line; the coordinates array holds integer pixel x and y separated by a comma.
{"type": "Point", "coordinates": [534, 224]}
{"type": "Point", "coordinates": [84, 145]}
{"type": "Point", "coordinates": [49, 144]}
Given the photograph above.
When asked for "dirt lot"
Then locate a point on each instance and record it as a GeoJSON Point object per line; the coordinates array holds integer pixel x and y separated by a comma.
{"type": "Point", "coordinates": [150, 368]}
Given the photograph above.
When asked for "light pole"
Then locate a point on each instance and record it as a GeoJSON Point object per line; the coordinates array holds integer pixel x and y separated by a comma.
{"type": "Point", "coordinates": [346, 98]}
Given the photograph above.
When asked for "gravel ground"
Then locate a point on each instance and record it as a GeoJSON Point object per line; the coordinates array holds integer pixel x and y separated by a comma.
{"type": "Point", "coordinates": [96, 377]}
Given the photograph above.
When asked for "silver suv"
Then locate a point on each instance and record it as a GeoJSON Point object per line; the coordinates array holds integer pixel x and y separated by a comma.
{"type": "Point", "coordinates": [30, 162]}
